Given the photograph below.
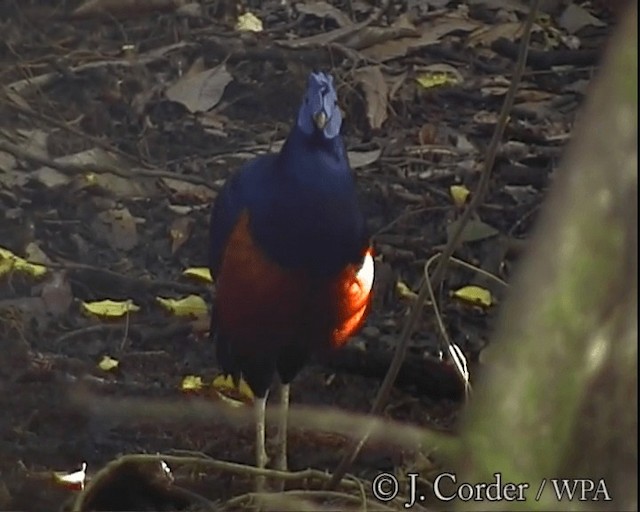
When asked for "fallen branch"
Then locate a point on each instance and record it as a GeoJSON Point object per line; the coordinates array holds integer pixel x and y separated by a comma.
{"type": "Point", "coordinates": [74, 170]}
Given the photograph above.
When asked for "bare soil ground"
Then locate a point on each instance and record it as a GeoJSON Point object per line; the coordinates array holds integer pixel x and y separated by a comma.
{"type": "Point", "coordinates": [114, 140]}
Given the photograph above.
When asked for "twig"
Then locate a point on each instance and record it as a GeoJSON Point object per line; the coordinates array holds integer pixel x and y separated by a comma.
{"type": "Point", "coordinates": [324, 39]}
{"type": "Point", "coordinates": [304, 500]}
{"type": "Point", "coordinates": [84, 331]}
{"type": "Point", "coordinates": [73, 169]}
{"type": "Point", "coordinates": [125, 335]}
{"type": "Point", "coordinates": [478, 270]}
{"type": "Point", "coordinates": [137, 282]}
{"type": "Point", "coordinates": [452, 245]}
{"type": "Point", "coordinates": [67, 127]}
{"type": "Point", "coordinates": [204, 462]}
{"type": "Point", "coordinates": [316, 419]}
{"type": "Point", "coordinates": [454, 351]}
{"type": "Point", "coordinates": [146, 58]}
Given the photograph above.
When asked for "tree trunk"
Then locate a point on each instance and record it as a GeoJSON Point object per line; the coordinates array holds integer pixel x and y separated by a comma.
{"type": "Point", "coordinates": [558, 398]}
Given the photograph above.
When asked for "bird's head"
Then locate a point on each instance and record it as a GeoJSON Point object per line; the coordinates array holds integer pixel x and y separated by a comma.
{"type": "Point", "coordinates": [319, 112]}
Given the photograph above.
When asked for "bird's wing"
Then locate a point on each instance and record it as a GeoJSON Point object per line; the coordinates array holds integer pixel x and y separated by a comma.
{"type": "Point", "coordinates": [233, 199]}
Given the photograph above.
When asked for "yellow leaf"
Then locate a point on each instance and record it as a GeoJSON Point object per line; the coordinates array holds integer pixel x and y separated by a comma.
{"type": "Point", "coordinates": [230, 393]}
{"type": "Point", "coordinates": [404, 291]}
{"type": "Point", "coordinates": [202, 273]}
{"type": "Point", "coordinates": [224, 383]}
{"type": "Point", "coordinates": [108, 363]}
{"type": "Point", "coordinates": [437, 75]}
{"type": "Point", "coordinates": [191, 383]}
{"type": "Point", "coordinates": [459, 194]}
{"type": "Point", "coordinates": [74, 481]}
{"type": "Point", "coordinates": [110, 308]}
{"type": "Point", "coordinates": [9, 262]}
{"type": "Point", "coordinates": [192, 305]}
{"type": "Point", "coordinates": [249, 22]}
{"type": "Point", "coordinates": [475, 295]}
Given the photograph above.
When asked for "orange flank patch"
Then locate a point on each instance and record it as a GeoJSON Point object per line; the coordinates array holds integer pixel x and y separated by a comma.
{"type": "Point", "coordinates": [354, 296]}
{"type": "Point", "coordinates": [262, 305]}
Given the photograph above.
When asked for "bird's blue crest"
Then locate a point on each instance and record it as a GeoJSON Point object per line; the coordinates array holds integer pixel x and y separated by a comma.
{"type": "Point", "coordinates": [319, 111]}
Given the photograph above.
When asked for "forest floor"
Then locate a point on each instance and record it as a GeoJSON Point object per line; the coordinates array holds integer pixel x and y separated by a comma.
{"type": "Point", "coordinates": [119, 121]}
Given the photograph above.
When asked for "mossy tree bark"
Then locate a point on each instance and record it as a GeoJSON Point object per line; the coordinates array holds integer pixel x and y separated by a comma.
{"type": "Point", "coordinates": [558, 396]}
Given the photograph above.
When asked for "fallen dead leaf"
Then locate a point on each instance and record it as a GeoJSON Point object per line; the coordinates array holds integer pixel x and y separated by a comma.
{"type": "Point", "coordinates": [118, 227]}
{"type": "Point", "coordinates": [474, 295]}
{"type": "Point", "coordinates": [56, 293]}
{"type": "Point", "coordinates": [180, 209]}
{"type": "Point", "coordinates": [521, 194]}
{"type": "Point", "coordinates": [376, 94]}
{"type": "Point", "coordinates": [7, 162]}
{"type": "Point", "coordinates": [180, 231]}
{"type": "Point", "coordinates": [436, 75]}
{"type": "Point", "coordinates": [107, 363]}
{"type": "Point", "coordinates": [197, 67]}
{"type": "Point", "coordinates": [395, 83]}
{"type": "Point", "coordinates": [34, 141]}
{"type": "Point", "coordinates": [189, 192]}
{"type": "Point", "coordinates": [192, 306]}
{"type": "Point", "coordinates": [9, 262]}
{"type": "Point", "coordinates": [372, 35]}
{"type": "Point", "coordinates": [474, 230]}
{"type": "Point", "coordinates": [485, 117]}
{"type": "Point", "coordinates": [404, 292]}
{"type": "Point", "coordinates": [486, 35]}
{"type": "Point", "coordinates": [52, 178]}
{"type": "Point", "coordinates": [125, 8]}
{"type": "Point", "coordinates": [214, 123]}
{"type": "Point", "coordinates": [428, 134]}
{"type": "Point", "coordinates": [325, 38]}
{"type": "Point", "coordinates": [574, 18]}
{"type": "Point", "coordinates": [200, 92]}
{"type": "Point", "coordinates": [434, 4]}
{"type": "Point", "coordinates": [227, 389]}
{"type": "Point", "coordinates": [200, 273]}
{"type": "Point", "coordinates": [191, 383]}
{"type": "Point", "coordinates": [429, 32]}
{"type": "Point", "coordinates": [249, 22]}
{"type": "Point", "coordinates": [323, 10]}
{"type": "Point", "coordinates": [459, 194]}
{"type": "Point", "coordinates": [507, 5]}
{"type": "Point", "coordinates": [16, 98]}
{"type": "Point", "coordinates": [110, 308]}
{"type": "Point", "coordinates": [125, 187]}
{"type": "Point", "coordinates": [359, 159]}
{"type": "Point", "coordinates": [35, 254]}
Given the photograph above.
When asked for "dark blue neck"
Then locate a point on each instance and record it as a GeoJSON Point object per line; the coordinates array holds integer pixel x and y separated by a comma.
{"type": "Point", "coordinates": [307, 213]}
{"type": "Point", "coordinates": [302, 154]}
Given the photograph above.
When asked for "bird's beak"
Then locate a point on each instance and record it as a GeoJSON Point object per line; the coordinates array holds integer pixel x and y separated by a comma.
{"type": "Point", "coordinates": [320, 119]}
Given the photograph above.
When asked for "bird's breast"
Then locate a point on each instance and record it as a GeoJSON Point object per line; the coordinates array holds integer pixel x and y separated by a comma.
{"type": "Point", "coordinates": [260, 301]}
{"type": "Point", "coordinates": [318, 230]}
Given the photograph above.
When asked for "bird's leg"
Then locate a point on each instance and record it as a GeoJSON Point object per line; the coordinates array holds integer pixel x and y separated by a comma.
{"type": "Point", "coordinates": [281, 432]}
{"type": "Point", "coordinates": [261, 453]}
